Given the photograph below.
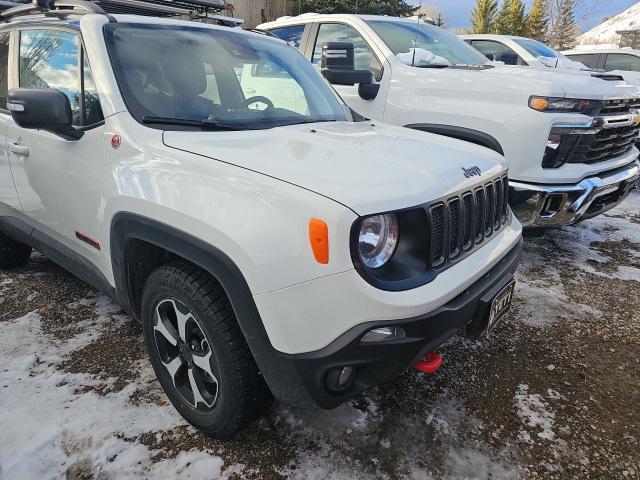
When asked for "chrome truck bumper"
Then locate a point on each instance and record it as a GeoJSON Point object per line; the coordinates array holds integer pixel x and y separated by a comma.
{"type": "Point", "coordinates": [557, 205]}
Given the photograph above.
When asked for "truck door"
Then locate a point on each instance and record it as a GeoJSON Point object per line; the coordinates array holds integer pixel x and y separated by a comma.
{"type": "Point", "coordinates": [365, 59]}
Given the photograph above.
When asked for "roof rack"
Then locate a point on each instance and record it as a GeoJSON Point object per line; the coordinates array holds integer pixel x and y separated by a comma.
{"type": "Point", "coordinates": [44, 6]}
{"type": "Point", "coordinates": [199, 9]}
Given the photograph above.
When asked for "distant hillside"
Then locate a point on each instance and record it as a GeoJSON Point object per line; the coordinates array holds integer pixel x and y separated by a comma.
{"type": "Point", "coordinates": [605, 36]}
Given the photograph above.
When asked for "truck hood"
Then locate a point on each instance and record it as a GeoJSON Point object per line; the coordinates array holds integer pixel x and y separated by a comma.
{"type": "Point", "coordinates": [573, 83]}
{"type": "Point", "coordinates": [367, 167]}
{"type": "Point", "coordinates": [508, 84]}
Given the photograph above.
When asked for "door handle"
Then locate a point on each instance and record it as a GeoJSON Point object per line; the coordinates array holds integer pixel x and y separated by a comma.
{"type": "Point", "coordinates": [20, 150]}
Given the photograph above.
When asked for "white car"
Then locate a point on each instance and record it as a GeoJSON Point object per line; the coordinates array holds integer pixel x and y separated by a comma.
{"type": "Point", "coordinates": [621, 61]}
{"type": "Point", "coordinates": [269, 244]}
{"type": "Point", "coordinates": [568, 136]}
{"type": "Point", "coordinates": [514, 50]}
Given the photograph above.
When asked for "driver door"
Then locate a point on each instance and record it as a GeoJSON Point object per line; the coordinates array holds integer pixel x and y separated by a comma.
{"type": "Point", "coordinates": [58, 181]}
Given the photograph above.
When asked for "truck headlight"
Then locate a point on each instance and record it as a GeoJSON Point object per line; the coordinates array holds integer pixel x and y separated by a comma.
{"type": "Point", "coordinates": [563, 105]}
{"type": "Point", "coordinates": [377, 239]}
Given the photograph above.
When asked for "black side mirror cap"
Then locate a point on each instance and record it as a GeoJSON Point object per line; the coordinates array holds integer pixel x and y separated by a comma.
{"type": "Point", "coordinates": [43, 109]}
{"type": "Point", "coordinates": [347, 77]}
{"type": "Point", "coordinates": [368, 91]}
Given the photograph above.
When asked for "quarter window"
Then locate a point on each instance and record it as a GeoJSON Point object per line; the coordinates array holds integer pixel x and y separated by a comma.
{"type": "Point", "coordinates": [52, 59]}
{"type": "Point", "coordinates": [622, 61]}
{"type": "Point", "coordinates": [363, 55]}
{"type": "Point", "coordinates": [292, 34]}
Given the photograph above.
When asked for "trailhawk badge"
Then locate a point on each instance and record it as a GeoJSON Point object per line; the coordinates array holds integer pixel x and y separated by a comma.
{"type": "Point", "coordinates": [472, 171]}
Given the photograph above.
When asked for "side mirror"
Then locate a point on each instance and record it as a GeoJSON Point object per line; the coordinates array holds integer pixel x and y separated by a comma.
{"type": "Point", "coordinates": [338, 67]}
{"type": "Point", "coordinates": [43, 109]}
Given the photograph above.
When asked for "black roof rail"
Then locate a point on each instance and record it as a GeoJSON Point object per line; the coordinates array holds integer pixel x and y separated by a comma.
{"type": "Point", "coordinates": [57, 6]}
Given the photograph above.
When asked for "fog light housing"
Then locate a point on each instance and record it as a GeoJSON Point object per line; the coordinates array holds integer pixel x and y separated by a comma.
{"type": "Point", "coordinates": [340, 379]}
{"type": "Point", "coordinates": [383, 334]}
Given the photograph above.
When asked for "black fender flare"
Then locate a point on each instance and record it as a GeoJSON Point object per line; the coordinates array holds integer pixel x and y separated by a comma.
{"type": "Point", "coordinates": [273, 364]}
{"type": "Point", "coordinates": [461, 133]}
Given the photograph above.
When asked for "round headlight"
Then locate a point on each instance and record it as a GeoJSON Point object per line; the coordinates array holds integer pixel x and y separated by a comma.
{"type": "Point", "coordinates": [378, 239]}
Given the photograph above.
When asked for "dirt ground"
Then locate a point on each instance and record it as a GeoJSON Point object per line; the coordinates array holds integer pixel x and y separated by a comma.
{"type": "Point", "coordinates": [554, 393]}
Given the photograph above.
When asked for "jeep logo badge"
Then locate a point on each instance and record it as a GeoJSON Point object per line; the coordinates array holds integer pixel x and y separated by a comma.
{"type": "Point", "coordinates": [471, 172]}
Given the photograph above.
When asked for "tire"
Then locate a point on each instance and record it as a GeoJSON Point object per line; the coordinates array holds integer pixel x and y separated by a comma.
{"type": "Point", "coordinates": [12, 253]}
{"type": "Point", "coordinates": [184, 305]}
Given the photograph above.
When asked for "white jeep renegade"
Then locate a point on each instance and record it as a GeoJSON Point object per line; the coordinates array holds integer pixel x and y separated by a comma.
{"type": "Point", "coordinates": [568, 136]}
{"type": "Point", "coordinates": [287, 249]}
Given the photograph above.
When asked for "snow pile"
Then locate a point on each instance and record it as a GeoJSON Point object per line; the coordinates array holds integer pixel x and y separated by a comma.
{"type": "Point", "coordinates": [420, 57]}
{"type": "Point", "coordinates": [534, 412]}
{"type": "Point", "coordinates": [54, 425]}
{"type": "Point", "coordinates": [562, 62]}
{"type": "Point", "coordinates": [605, 35]}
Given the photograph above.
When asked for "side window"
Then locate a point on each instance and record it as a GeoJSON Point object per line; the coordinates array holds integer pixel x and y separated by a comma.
{"type": "Point", "coordinates": [589, 60]}
{"type": "Point", "coordinates": [622, 61]}
{"type": "Point", "coordinates": [364, 56]}
{"type": "Point", "coordinates": [498, 52]}
{"type": "Point", "coordinates": [292, 34]}
{"type": "Point", "coordinates": [51, 59]}
{"type": "Point", "coordinates": [4, 68]}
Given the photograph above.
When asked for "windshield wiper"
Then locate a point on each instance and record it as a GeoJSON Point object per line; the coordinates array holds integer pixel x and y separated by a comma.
{"type": "Point", "coordinates": [433, 65]}
{"type": "Point", "coordinates": [184, 122]}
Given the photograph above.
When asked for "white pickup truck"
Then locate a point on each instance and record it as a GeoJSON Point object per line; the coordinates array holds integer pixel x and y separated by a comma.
{"type": "Point", "coordinates": [268, 246]}
{"type": "Point", "coordinates": [568, 136]}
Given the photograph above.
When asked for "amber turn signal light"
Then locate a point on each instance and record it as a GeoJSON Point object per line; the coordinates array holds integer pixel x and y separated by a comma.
{"type": "Point", "coordinates": [319, 238]}
{"type": "Point", "coordinates": [539, 103]}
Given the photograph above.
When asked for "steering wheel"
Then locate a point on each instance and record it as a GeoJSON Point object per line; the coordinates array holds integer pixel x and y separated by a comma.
{"type": "Point", "coordinates": [257, 99]}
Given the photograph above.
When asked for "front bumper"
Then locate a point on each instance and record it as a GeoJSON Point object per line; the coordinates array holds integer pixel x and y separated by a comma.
{"type": "Point", "coordinates": [558, 205]}
{"type": "Point", "coordinates": [303, 377]}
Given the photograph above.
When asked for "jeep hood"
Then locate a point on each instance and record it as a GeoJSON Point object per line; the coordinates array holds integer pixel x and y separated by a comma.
{"type": "Point", "coordinates": [368, 168]}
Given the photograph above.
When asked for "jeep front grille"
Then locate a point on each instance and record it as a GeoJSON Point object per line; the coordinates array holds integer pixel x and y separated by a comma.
{"type": "Point", "coordinates": [465, 221]}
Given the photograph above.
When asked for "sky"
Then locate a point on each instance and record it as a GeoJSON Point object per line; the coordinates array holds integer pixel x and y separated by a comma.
{"type": "Point", "coordinates": [457, 12]}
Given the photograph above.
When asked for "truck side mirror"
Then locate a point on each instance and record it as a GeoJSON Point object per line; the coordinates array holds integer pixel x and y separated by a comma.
{"type": "Point", "coordinates": [338, 67]}
{"type": "Point", "coordinates": [45, 109]}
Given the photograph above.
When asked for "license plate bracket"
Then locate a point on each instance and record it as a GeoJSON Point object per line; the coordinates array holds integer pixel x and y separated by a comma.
{"type": "Point", "coordinates": [500, 305]}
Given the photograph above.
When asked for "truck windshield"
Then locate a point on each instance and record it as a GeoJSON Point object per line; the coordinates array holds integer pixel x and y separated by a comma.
{"type": "Point", "coordinates": [184, 77]}
{"type": "Point", "coordinates": [402, 35]}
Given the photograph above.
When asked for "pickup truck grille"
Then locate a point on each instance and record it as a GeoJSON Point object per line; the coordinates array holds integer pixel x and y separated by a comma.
{"type": "Point", "coordinates": [465, 221]}
{"type": "Point", "coordinates": [608, 143]}
{"type": "Point", "coordinates": [619, 106]}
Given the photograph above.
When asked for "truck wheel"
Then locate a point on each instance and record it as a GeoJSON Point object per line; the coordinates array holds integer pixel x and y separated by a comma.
{"type": "Point", "coordinates": [198, 352]}
{"type": "Point", "coordinates": [12, 253]}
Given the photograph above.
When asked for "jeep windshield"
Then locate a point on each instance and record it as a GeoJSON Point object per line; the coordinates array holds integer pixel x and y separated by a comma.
{"type": "Point", "coordinates": [183, 77]}
{"type": "Point", "coordinates": [403, 35]}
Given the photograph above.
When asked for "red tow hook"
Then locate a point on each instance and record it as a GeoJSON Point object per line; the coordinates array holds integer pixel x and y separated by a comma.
{"type": "Point", "coordinates": [430, 363]}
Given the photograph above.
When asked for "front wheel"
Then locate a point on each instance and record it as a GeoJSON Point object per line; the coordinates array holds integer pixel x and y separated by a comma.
{"type": "Point", "coordinates": [198, 352]}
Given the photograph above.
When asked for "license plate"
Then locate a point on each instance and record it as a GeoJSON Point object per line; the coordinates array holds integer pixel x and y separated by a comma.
{"type": "Point", "coordinates": [500, 305]}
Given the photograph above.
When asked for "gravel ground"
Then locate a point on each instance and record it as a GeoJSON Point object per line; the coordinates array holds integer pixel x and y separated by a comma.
{"type": "Point", "coordinates": [553, 393]}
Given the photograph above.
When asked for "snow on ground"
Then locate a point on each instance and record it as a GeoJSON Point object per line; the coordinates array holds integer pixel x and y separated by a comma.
{"type": "Point", "coordinates": [500, 408]}
{"type": "Point", "coordinates": [51, 425]}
